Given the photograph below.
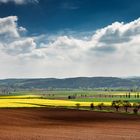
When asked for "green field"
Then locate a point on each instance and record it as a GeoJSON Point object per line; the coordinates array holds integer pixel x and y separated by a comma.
{"type": "Point", "coordinates": [90, 96]}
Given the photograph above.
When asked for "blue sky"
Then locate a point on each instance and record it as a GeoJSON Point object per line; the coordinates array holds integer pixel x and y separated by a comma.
{"type": "Point", "coordinates": [54, 16]}
{"type": "Point", "coordinates": [69, 38]}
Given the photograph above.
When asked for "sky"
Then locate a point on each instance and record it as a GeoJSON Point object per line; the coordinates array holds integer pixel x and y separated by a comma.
{"type": "Point", "coordinates": [69, 38]}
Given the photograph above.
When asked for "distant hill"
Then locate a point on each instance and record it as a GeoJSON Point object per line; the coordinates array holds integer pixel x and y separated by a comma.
{"type": "Point", "coordinates": [74, 83]}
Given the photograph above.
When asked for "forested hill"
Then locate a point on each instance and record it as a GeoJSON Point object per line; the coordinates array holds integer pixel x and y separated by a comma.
{"type": "Point", "coordinates": [79, 82]}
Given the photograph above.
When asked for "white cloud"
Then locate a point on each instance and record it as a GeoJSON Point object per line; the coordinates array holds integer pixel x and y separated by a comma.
{"type": "Point", "coordinates": [8, 27]}
{"type": "Point", "coordinates": [11, 40]}
{"type": "Point", "coordinates": [20, 46]}
{"type": "Point", "coordinates": [111, 51]}
{"type": "Point", "coordinates": [19, 1]}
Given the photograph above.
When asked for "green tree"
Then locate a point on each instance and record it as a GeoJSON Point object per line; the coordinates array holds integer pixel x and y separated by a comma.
{"type": "Point", "coordinates": [91, 106]}
{"type": "Point", "coordinates": [77, 105]}
{"type": "Point", "coordinates": [135, 110]}
{"type": "Point", "coordinates": [126, 105]}
{"type": "Point", "coordinates": [129, 95]}
{"type": "Point", "coordinates": [137, 95]}
{"type": "Point", "coordinates": [101, 106]}
{"type": "Point", "coordinates": [116, 105]}
{"type": "Point", "coordinates": [136, 107]}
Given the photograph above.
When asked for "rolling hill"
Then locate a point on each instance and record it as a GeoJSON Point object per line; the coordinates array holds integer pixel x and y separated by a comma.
{"type": "Point", "coordinates": [74, 83]}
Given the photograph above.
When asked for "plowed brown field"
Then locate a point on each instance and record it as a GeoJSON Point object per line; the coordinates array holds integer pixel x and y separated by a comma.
{"type": "Point", "coordinates": [61, 124]}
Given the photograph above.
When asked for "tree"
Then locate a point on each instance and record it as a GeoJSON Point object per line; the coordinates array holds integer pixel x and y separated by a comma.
{"type": "Point", "coordinates": [116, 105]}
{"type": "Point", "coordinates": [77, 105]}
{"type": "Point", "coordinates": [137, 95]}
{"type": "Point", "coordinates": [91, 106]}
{"type": "Point", "coordinates": [136, 107]}
{"type": "Point", "coordinates": [135, 110]}
{"type": "Point", "coordinates": [101, 106]}
{"type": "Point", "coordinates": [129, 95]}
{"type": "Point", "coordinates": [126, 105]}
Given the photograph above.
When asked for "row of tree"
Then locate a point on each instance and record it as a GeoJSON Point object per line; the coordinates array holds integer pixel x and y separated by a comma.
{"type": "Point", "coordinates": [117, 105]}
{"type": "Point", "coordinates": [126, 104]}
{"type": "Point", "coordinates": [126, 95]}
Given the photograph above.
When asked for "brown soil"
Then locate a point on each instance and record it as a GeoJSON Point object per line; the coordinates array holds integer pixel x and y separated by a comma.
{"type": "Point", "coordinates": [61, 124]}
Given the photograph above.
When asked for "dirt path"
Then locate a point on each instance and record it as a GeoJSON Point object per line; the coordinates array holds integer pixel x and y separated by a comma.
{"type": "Point", "coordinates": [60, 124]}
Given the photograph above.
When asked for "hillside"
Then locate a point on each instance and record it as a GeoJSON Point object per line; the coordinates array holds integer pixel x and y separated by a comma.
{"type": "Point", "coordinates": [74, 83]}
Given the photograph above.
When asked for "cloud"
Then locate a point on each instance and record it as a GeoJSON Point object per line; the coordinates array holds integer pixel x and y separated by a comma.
{"type": "Point", "coordinates": [11, 41]}
{"type": "Point", "coordinates": [8, 27]}
{"type": "Point", "coordinates": [19, 1]}
{"type": "Point", "coordinates": [20, 46]}
{"type": "Point", "coordinates": [110, 51]}
{"type": "Point", "coordinates": [118, 32]}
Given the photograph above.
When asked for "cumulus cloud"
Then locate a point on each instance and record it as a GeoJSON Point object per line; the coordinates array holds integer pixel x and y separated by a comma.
{"type": "Point", "coordinates": [8, 27]}
{"type": "Point", "coordinates": [20, 46]}
{"type": "Point", "coordinates": [110, 51]}
{"type": "Point", "coordinates": [19, 1]}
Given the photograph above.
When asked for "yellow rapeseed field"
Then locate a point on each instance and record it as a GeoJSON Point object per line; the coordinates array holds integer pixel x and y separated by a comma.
{"type": "Point", "coordinates": [124, 93]}
{"type": "Point", "coordinates": [30, 101]}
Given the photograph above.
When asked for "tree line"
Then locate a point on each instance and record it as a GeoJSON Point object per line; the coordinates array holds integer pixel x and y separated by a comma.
{"type": "Point", "coordinates": [116, 105]}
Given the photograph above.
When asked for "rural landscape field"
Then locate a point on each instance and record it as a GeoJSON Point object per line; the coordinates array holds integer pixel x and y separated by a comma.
{"type": "Point", "coordinates": [69, 99]}
{"type": "Point", "coordinates": [52, 115]}
{"type": "Point", "coordinates": [69, 69]}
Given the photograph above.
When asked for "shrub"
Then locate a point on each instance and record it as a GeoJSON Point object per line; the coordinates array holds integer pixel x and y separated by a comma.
{"type": "Point", "coordinates": [71, 97]}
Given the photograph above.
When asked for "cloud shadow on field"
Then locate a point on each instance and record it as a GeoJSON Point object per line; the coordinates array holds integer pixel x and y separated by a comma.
{"type": "Point", "coordinates": [88, 116]}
